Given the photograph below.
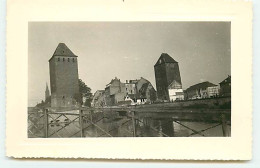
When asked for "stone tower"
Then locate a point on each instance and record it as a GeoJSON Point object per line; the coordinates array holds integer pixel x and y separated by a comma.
{"type": "Point", "coordinates": [166, 71]}
{"type": "Point", "coordinates": [64, 77]}
{"type": "Point", "coordinates": [47, 92]}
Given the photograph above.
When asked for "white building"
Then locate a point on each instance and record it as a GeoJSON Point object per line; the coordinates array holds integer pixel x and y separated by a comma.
{"type": "Point", "coordinates": [175, 91]}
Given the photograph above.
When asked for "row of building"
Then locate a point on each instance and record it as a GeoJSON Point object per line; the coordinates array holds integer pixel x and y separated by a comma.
{"type": "Point", "coordinates": [209, 90]}
{"type": "Point", "coordinates": [64, 85]}
{"type": "Point", "coordinates": [131, 92]}
{"type": "Point", "coordinates": [168, 86]}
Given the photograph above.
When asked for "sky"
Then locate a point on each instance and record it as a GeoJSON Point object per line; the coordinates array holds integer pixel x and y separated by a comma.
{"type": "Point", "coordinates": [129, 50]}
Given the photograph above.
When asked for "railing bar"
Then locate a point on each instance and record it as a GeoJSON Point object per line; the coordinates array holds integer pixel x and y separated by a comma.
{"type": "Point", "coordinates": [116, 127]}
{"type": "Point", "coordinates": [63, 126]}
{"type": "Point", "coordinates": [154, 128]}
{"type": "Point", "coordinates": [205, 129]}
{"type": "Point", "coordinates": [189, 128]}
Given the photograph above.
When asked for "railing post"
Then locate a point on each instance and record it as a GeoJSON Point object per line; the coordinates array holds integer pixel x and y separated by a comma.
{"type": "Point", "coordinates": [91, 112]}
{"type": "Point", "coordinates": [81, 123]}
{"type": "Point", "coordinates": [46, 123]}
{"type": "Point", "coordinates": [160, 129]}
{"type": "Point", "coordinates": [224, 126]}
{"type": "Point", "coordinates": [133, 120]}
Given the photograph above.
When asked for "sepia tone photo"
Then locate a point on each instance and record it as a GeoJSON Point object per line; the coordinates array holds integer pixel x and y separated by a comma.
{"type": "Point", "coordinates": [129, 79]}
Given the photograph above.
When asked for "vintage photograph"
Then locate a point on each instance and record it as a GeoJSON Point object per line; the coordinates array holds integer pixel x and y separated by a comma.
{"type": "Point", "coordinates": [129, 79]}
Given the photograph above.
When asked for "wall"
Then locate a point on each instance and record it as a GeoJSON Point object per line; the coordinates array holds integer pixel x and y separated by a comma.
{"type": "Point", "coordinates": [173, 96]}
{"type": "Point", "coordinates": [130, 88]}
{"type": "Point", "coordinates": [164, 76]}
{"type": "Point", "coordinates": [64, 80]}
{"type": "Point", "coordinates": [225, 89]}
{"type": "Point", "coordinates": [161, 82]}
{"type": "Point", "coordinates": [173, 73]}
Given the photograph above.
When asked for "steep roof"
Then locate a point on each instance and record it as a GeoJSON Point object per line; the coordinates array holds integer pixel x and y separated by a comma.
{"type": "Point", "coordinates": [175, 85]}
{"type": "Point", "coordinates": [63, 50]}
{"type": "Point", "coordinates": [143, 89]}
{"type": "Point", "coordinates": [201, 85]}
{"type": "Point", "coordinates": [165, 58]}
{"type": "Point", "coordinates": [227, 80]}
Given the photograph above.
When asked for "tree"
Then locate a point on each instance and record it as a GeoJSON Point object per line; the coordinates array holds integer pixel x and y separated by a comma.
{"type": "Point", "coordinates": [85, 92]}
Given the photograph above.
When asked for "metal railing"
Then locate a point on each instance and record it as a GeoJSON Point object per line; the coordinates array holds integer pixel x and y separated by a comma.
{"type": "Point", "coordinates": [109, 123]}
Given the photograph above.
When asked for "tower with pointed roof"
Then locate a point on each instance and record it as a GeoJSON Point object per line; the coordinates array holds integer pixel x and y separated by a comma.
{"type": "Point", "coordinates": [64, 77]}
{"type": "Point", "coordinates": [47, 92]}
{"type": "Point", "coordinates": [166, 71]}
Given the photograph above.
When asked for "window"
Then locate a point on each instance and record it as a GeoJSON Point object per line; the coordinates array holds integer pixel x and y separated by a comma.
{"type": "Point", "coordinates": [73, 59]}
{"type": "Point", "coordinates": [58, 59]}
{"type": "Point", "coordinates": [68, 59]}
{"type": "Point", "coordinates": [63, 59]}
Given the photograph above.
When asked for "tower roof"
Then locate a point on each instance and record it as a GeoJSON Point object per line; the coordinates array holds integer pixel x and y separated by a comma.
{"type": "Point", "coordinates": [63, 50]}
{"type": "Point", "coordinates": [165, 58]}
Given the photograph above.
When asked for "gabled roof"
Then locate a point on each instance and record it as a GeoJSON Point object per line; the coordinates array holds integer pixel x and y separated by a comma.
{"type": "Point", "coordinates": [165, 58]}
{"type": "Point", "coordinates": [143, 89]}
{"type": "Point", "coordinates": [113, 80]}
{"type": "Point", "coordinates": [175, 85]}
{"type": "Point", "coordinates": [63, 50]}
{"type": "Point", "coordinates": [202, 85]}
{"type": "Point", "coordinates": [227, 80]}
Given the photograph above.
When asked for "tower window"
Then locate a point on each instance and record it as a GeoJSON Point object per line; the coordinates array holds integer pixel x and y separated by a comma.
{"type": "Point", "coordinates": [68, 59]}
{"type": "Point", "coordinates": [63, 59]}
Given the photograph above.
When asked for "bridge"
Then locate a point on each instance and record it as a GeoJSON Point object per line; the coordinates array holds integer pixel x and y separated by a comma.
{"type": "Point", "coordinates": [132, 121]}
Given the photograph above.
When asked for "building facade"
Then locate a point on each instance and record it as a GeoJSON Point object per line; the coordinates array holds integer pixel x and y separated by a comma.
{"type": "Point", "coordinates": [130, 86]}
{"type": "Point", "coordinates": [64, 77]}
{"type": "Point", "coordinates": [225, 87]}
{"type": "Point", "coordinates": [166, 71]}
{"type": "Point", "coordinates": [202, 90]}
{"type": "Point", "coordinates": [133, 92]}
{"type": "Point", "coordinates": [99, 99]}
{"type": "Point", "coordinates": [144, 92]}
{"type": "Point", "coordinates": [147, 93]}
{"type": "Point", "coordinates": [175, 91]}
{"type": "Point", "coordinates": [115, 91]}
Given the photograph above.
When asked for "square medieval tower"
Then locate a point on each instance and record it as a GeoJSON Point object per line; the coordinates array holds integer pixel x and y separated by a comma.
{"type": "Point", "coordinates": [166, 71]}
{"type": "Point", "coordinates": [64, 77]}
